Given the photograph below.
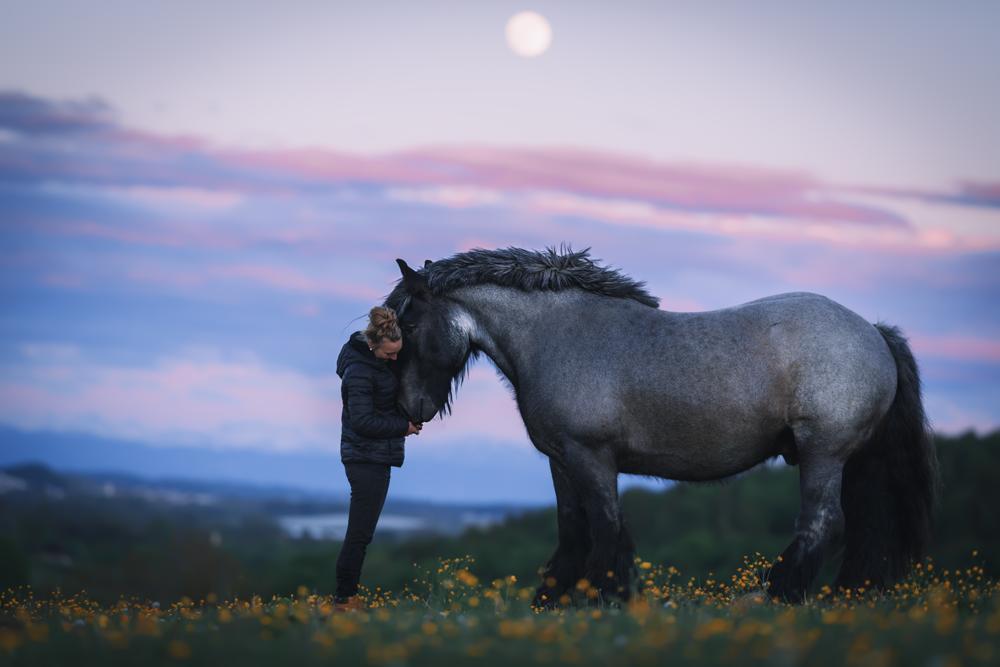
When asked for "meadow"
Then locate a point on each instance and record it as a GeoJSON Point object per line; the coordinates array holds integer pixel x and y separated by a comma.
{"type": "Point", "coordinates": [448, 615]}
{"type": "Point", "coordinates": [109, 582]}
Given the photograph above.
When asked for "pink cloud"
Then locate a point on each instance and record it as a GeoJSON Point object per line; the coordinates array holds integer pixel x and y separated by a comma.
{"type": "Point", "coordinates": [482, 408]}
{"type": "Point", "coordinates": [135, 157]}
{"type": "Point", "coordinates": [957, 346]}
{"type": "Point", "coordinates": [186, 198]}
{"type": "Point", "coordinates": [641, 213]}
{"type": "Point", "coordinates": [474, 175]}
{"type": "Point", "coordinates": [950, 418]}
{"type": "Point", "coordinates": [984, 192]}
{"type": "Point", "coordinates": [624, 176]}
{"type": "Point", "coordinates": [969, 193]}
{"type": "Point", "coordinates": [611, 187]}
{"type": "Point", "coordinates": [266, 275]}
{"type": "Point", "coordinates": [286, 278]}
{"type": "Point", "coordinates": [139, 234]}
{"type": "Point", "coordinates": [450, 196]}
{"type": "Point", "coordinates": [197, 397]}
{"type": "Point", "coordinates": [203, 396]}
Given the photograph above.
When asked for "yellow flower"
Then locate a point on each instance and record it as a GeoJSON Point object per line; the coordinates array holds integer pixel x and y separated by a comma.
{"type": "Point", "coordinates": [467, 578]}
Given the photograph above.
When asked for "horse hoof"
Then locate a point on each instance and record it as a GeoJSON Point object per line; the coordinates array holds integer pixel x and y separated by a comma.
{"type": "Point", "coordinates": [544, 599]}
{"type": "Point", "coordinates": [788, 594]}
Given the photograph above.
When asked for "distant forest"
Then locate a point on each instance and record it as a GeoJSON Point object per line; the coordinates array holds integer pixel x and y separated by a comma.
{"type": "Point", "coordinates": [111, 548]}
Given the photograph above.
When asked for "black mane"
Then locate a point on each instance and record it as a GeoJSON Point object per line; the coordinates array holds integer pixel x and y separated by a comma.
{"type": "Point", "coordinates": [529, 270]}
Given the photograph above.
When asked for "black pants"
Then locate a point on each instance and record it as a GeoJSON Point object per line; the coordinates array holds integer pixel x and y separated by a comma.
{"type": "Point", "coordinates": [369, 484]}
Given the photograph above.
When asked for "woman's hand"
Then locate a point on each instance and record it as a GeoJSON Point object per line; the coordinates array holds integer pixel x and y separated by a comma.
{"type": "Point", "coordinates": [414, 429]}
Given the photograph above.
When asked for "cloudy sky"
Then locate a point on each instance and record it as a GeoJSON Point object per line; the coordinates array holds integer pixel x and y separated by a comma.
{"type": "Point", "coordinates": [199, 201]}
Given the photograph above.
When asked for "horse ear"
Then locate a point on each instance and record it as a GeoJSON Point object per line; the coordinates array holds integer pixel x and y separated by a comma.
{"type": "Point", "coordinates": [415, 283]}
{"type": "Point", "coordinates": [427, 263]}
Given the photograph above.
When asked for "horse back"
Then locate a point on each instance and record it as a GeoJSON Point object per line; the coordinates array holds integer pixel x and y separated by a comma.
{"type": "Point", "coordinates": [705, 394]}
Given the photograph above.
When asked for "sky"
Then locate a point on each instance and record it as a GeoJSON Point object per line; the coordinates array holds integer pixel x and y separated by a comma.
{"type": "Point", "coordinates": [199, 202]}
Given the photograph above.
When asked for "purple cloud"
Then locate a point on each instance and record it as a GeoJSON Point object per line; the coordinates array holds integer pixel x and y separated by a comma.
{"type": "Point", "coordinates": [127, 156]}
{"type": "Point", "coordinates": [27, 114]}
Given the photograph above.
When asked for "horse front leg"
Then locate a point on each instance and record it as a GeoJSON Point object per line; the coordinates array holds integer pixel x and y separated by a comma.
{"type": "Point", "coordinates": [610, 562]}
{"type": "Point", "coordinates": [624, 564]}
{"type": "Point", "coordinates": [566, 565]}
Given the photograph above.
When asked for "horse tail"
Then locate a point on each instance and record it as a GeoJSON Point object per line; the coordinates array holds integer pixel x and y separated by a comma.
{"type": "Point", "coordinates": [890, 484]}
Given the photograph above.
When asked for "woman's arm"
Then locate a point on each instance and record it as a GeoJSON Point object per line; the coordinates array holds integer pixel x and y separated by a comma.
{"type": "Point", "coordinates": [361, 410]}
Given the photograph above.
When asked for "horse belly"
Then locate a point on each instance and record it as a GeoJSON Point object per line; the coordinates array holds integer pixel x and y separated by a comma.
{"type": "Point", "coordinates": [701, 451]}
{"type": "Point", "coordinates": [720, 425]}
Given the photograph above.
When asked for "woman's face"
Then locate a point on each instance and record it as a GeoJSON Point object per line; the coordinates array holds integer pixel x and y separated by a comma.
{"type": "Point", "coordinates": [388, 349]}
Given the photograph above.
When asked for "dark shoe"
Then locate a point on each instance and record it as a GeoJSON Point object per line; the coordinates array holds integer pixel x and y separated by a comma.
{"type": "Point", "coordinates": [352, 603]}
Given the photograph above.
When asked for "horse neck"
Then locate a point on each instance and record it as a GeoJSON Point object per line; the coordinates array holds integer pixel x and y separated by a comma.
{"type": "Point", "coordinates": [501, 322]}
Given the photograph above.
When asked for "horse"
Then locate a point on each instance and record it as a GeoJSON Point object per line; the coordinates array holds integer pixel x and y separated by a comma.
{"type": "Point", "coordinates": [606, 382]}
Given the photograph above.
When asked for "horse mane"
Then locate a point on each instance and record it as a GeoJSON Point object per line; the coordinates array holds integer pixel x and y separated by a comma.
{"type": "Point", "coordinates": [528, 270]}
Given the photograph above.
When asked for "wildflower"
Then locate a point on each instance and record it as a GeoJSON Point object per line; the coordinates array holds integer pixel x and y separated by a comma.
{"type": "Point", "coordinates": [467, 578]}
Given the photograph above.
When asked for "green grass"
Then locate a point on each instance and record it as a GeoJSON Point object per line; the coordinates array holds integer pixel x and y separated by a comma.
{"type": "Point", "coordinates": [447, 615]}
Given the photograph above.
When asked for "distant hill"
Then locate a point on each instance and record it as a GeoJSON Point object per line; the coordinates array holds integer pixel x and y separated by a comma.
{"type": "Point", "coordinates": [481, 474]}
{"type": "Point", "coordinates": [406, 515]}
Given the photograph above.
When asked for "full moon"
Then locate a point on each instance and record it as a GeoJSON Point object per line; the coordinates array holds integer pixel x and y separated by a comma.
{"type": "Point", "coordinates": [528, 34]}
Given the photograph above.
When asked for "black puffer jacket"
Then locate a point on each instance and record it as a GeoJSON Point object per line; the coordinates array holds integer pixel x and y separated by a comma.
{"type": "Point", "coordinates": [372, 428]}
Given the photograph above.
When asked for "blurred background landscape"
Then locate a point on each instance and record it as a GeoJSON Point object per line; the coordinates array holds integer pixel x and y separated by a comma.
{"type": "Point", "coordinates": [117, 535]}
{"type": "Point", "coordinates": [200, 202]}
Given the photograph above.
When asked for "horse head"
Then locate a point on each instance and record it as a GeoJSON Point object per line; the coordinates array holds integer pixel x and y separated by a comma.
{"type": "Point", "coordinates": [436, 345]}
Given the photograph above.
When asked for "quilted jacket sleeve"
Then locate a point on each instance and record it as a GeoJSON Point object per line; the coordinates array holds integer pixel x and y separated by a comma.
{"type": "Point", "coordinates": [365, 421]}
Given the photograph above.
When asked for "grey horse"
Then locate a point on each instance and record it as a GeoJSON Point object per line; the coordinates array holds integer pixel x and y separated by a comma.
{"type": "Point", "coordinates": [607, 382]}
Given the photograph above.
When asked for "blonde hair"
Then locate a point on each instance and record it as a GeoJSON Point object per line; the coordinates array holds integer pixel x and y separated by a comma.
{"type": "Point", "coordinates": [382, 325]}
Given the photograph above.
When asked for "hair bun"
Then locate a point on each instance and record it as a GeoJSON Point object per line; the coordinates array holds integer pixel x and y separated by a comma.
{"type": "Point", "coordinates": [383, 317]}
{"type": "Point", "coordinates": [382, 323]}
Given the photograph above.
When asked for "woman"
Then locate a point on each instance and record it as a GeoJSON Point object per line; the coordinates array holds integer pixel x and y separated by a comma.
{"type": "Point", "coordinates": [371, 440]}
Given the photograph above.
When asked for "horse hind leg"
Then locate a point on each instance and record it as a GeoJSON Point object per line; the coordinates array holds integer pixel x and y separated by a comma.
{"type": "Point", "coordinates": [819, 527]}
{"type": "Point", "coordinates": [624, 561]}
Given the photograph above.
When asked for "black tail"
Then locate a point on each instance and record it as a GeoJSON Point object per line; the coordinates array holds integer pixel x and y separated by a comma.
{"type": "Point", "coordinates": [890, 484]}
